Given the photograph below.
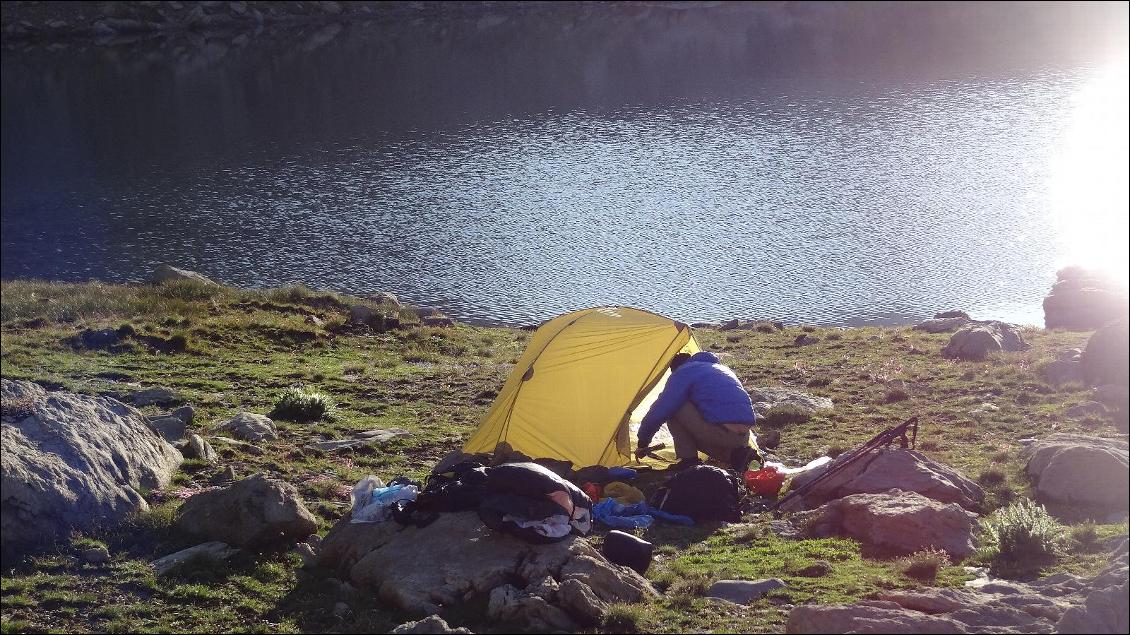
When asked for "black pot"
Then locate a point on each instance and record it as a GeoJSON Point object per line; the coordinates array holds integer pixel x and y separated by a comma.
{"type": "Point", "coordinates": [626, 549]}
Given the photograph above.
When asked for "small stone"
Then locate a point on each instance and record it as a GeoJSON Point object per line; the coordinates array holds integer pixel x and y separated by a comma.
{"type": "Point", "coordinates": [430, 624]}
{"type": "Point", "coordinates": [96, 555]}
{"type": "Point", "coordinates": [309, 555]}
{"type": "Point", "coordinates": [225, 475]}
{"type": "Point", "coordinates": [214, 551]}
{"type": "Point", "coordinates": [154, 396]}
{"type": "Point", "coordinates": [818, 569]}
{"type": "Point", "coordinates": [743, 591]}
{"type": "Point", "coordinates": [438, 321]}
{"type": "Point", "coordinates": [1086, 409]}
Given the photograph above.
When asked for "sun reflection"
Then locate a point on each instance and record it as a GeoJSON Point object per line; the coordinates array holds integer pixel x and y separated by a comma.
{"type": "Point", "coordinates": [1089, 176]}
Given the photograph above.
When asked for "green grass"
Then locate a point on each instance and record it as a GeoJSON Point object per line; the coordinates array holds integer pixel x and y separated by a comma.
{"type": "Point", "coordinates": [245, 348]}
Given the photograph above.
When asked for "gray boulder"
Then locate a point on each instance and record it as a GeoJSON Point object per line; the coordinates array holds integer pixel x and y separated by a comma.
{"type": "Point", "coordinates": [1063, 371]}
{"type": "Point", "coordinates": [942, 325]}
{"type": "Point", "coordinates": [885, 469]}
{"type": "Point", "coordinates": [1061, 603]}
{"type": "Point", "coordinates": [766, 397]}
{"type": "Point", "coordinates": [508, 604]}
{"type": "Point", "coordinates": [198, 448]}
{"type": "Point", "coordinates": [743, 591]}
{"type": "Point", "coordinates": [457, 558]}
{"type": "Point", "coordinates": [895, 521]}
{"type": "Point", "coordinates": [1105, 359]}
{"type": "Point", "coordinates": [385, 297]}
{"type": "Point", "coordinates": [256, 512]}
{"type": "Point", "coordinates": [1080, 470]}
{"type": "Point", "coordinates": [251, 427]}
{"type": "Point", "coordinates": [171, 426]}
{"type": "Point", "coordinates": [1111, 396]}
{"type": "Point", "coordinates": [1081, 300]}
{"type": "Point", "coordinates": [433, 624]}
{"type": "Point", "coordinates": [438, 321]}
{"type": "Point", "coordinates": [155, 396]}
{"type": "Point", "coordinates": [210, 551]}
{"type": "Point", "coordinates": [373, 318]}
{"type": "Point", "coordinates": [168, 273]}
{"type": "Point", "coordinates": [977, 339]}
{"type": "Point", "coordinates": [72, 462]}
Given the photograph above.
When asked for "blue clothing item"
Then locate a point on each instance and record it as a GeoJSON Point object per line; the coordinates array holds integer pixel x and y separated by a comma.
{"type": "Point", "coordinates": [621, 473]}
{"type": "Point", "coordinates": [713, 388]}
{"type": "Point", "coordinates": [621, 516]}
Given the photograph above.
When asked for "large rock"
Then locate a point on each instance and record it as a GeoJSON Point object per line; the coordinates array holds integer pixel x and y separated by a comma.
{"type": "Point", "coordinates": [168, 273]}
{"type": "Point", "coordinates": [213, 552]}
{"type": "Point", "coordinates": [433, 624]}
{"type": "Point", "coordinates": [256, 512]}
{"type": "Point", "coordinates": [886, 469]}
{"type": "Point", "coordinates": [895, 522]}
{"type": "Point", "coordinates": [1080, 470]}
{"type": "Point", "coordinates": [456, 558]}
{"type": "Point", "coordinates": [72, 462]}
{"type": "Point", "coordinates": [942, 325]}
{"type": "Point", "coordinates": [766, 397]}
{"type": "Point", "coordinates": [977, 339]}
{"type": "Point", "coordinates": [171, 426]}
{"type": "Point", "coordinates": [743, 591]}
{"type": "Point", "coordinates": [1081, 300]}
{"type": "Point", "coordinates": [1105, 359]}
{"type": "Point", "coordinates": [251, 427]}
{"type": "Point", "coordinates": [1061, 604]}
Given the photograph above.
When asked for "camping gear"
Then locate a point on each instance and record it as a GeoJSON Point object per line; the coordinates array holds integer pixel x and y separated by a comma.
{"type": "Point", "coordinates": [372, 502]}
{"type": "Point", "coordinates": [615, 514]}
{"type": "Point", "coordinates": [594, 491]}
{"type": "Point", "coordinates": [582, 379]}
{"type": "Point", "coordinates": [626, 549]}
{"type": "Point", "coordinates": [623, 493]}
{"type": "Point", "coordinates": [703, 492]}
{"type": "Point", "coordinates": [622, 473]}
{"type": "Point", "coordinates": [881, 440]}
{"type": "Point", "coordinates": [460, 489]}
{"type": "Point", "coordinates": [764, 482]}
{"type": "Point", "coordinates": [533, 503]}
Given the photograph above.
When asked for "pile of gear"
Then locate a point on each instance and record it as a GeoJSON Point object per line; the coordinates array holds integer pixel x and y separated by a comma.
{"type": "Point", "coordinates": [543, 501]}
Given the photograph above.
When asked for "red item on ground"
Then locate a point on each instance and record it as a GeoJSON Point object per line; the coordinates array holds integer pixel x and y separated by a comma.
{"type": "Point", "coordinates": [765, 482]}
{"type": "Point", "coordinates": [595, 492]}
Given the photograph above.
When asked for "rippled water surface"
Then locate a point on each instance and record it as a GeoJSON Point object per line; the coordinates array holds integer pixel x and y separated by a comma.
{"type": "Point", "coordinates": [483, 184]}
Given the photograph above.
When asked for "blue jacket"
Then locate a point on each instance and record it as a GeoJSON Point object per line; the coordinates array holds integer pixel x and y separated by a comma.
{"type": "Point", "coordinates": [713, 388]}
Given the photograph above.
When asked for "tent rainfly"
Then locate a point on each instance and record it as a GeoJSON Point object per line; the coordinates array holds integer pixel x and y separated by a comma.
{"type": "Point", "coordinates": [582, 379]}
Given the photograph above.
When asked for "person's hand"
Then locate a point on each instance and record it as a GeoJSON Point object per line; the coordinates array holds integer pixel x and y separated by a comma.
{"type": "Point", "coordinates": [641, 452]}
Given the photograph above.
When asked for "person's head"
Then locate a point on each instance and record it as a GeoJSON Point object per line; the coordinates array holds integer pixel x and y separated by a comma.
{"type": "Point", "coordinates": [678, 360]}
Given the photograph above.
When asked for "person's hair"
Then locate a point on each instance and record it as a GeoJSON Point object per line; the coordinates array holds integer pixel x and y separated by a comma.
{"type": "Point", "coordinates": [678, 360]}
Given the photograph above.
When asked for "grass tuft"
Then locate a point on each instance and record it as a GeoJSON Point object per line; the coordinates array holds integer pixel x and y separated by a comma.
{"type": "Point", "coordinates": [303, 406]}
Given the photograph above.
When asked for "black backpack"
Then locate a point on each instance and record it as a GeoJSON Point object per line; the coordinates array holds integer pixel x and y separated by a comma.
{"type": "Point", "coordinates": [703, 492]}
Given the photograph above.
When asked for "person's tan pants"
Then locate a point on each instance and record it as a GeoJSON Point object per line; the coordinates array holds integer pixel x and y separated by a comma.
{"type": "Point", "coordinates": [693, 434]}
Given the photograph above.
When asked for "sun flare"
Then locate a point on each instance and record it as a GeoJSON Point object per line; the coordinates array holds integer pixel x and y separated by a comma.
{"type": "Point", "coordinates": [1089, 176]}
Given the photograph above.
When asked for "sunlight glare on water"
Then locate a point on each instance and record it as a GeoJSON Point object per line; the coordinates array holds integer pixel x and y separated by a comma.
{"type": "Point", "coordinates": [1089, 175]}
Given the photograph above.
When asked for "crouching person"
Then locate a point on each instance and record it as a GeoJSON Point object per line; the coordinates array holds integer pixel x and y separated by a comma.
{"type": "Point", "coordinates": [706, 409]}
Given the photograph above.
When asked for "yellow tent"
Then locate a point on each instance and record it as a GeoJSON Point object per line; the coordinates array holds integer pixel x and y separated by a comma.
{"type": "Point", "coordinates": [582, 378]}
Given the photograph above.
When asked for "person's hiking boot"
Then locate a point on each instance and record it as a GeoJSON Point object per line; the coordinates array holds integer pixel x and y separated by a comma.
{"type": "Point", "coordinates": [685, 464]}
{"type": "Point", "coordinates": [741, 457]}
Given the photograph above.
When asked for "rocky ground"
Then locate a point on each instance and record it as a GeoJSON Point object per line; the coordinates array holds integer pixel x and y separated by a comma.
{"type": "Point", "coordinates": [195, 369]}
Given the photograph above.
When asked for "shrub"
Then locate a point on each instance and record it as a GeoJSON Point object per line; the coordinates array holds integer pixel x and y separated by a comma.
{"type": "Point", "coordinates": [924, 565]}
{"type": "Point", "coordinates": [623, 618]}
{"type": "Point", "coordinates": [786, 414]}
{"type": "Point", "coordinates": [1020, 539]}
{"type": "Point", "coordinates": [1084, 538]}
{"type": "Point", "coordinates": [991, 477]}
{"type": "Point", "coordinates": [300, 405]}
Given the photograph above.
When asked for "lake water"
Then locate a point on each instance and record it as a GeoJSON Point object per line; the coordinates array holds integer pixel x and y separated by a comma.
{"type": "Point", "coordinates": [705, 163]}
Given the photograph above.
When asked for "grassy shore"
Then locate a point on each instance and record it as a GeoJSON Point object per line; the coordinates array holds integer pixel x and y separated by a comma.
{"type": "Point", "coordinates": [239, 350]}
